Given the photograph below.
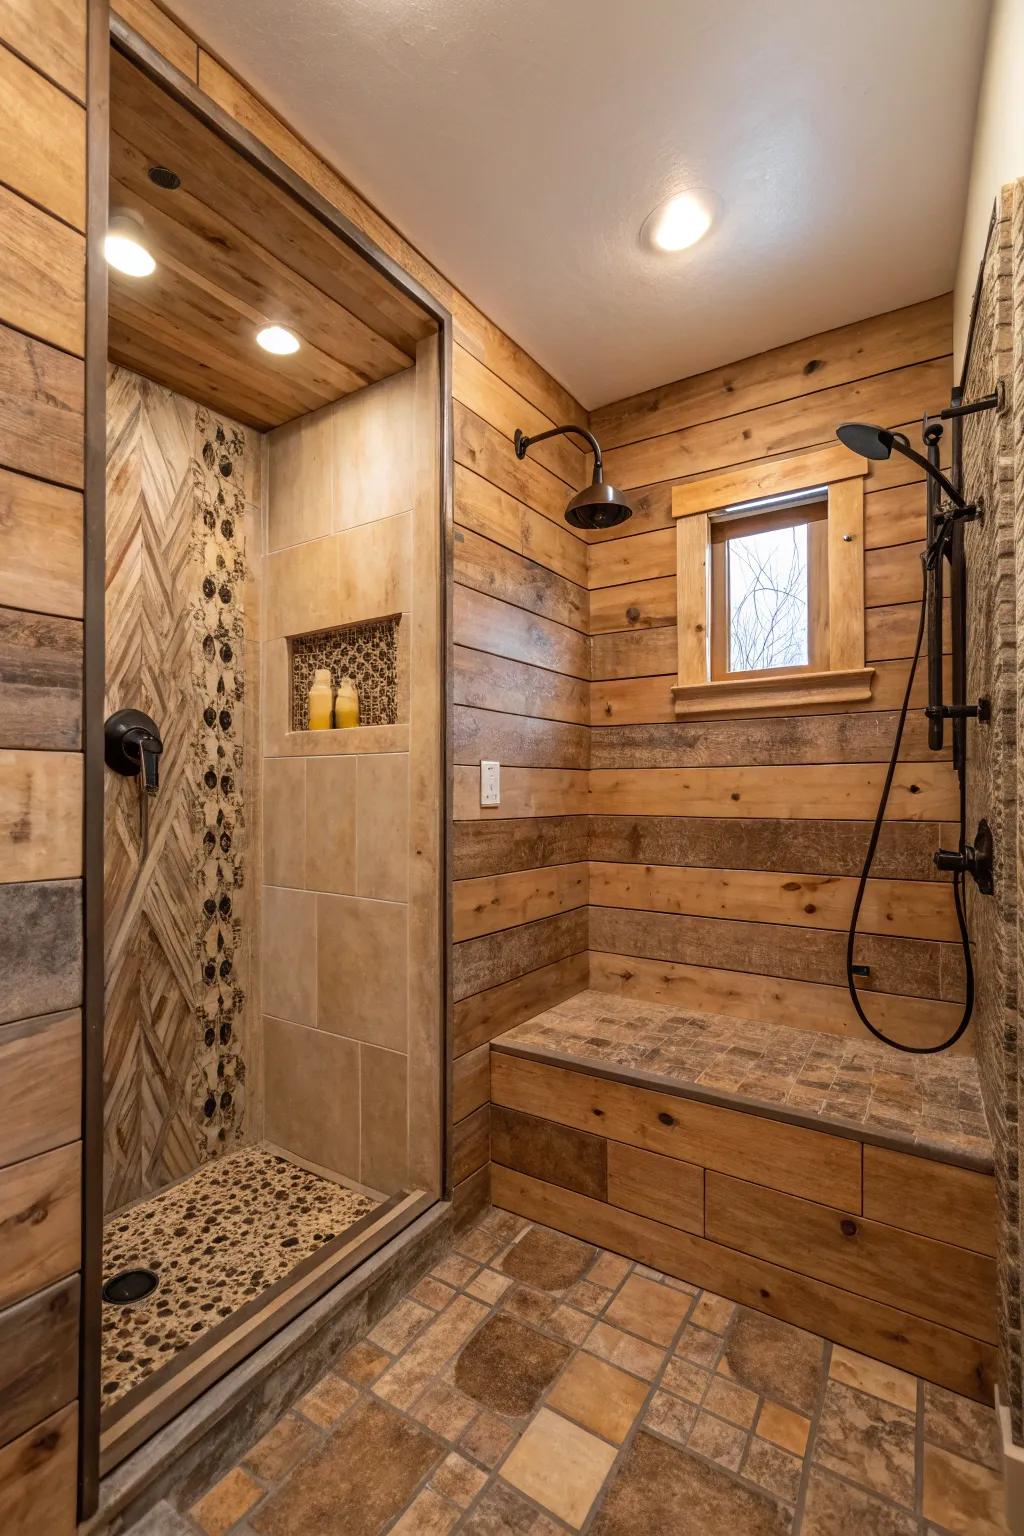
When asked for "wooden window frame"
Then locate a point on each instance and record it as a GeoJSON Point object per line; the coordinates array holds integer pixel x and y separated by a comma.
{"type": "Point", "coordinates": [813, 515]}
{"type": "Point", "coordinates": [837, 674]}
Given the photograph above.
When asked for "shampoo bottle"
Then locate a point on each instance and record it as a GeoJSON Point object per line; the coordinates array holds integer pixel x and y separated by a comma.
{"type": "Point", "coordinates": [346, 705]}
{"type": "Point", "coordinates": [320, 701]}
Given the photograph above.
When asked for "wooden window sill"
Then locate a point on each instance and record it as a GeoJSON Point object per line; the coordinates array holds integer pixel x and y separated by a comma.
{"type": "Point", "coordinates": [779, 690]}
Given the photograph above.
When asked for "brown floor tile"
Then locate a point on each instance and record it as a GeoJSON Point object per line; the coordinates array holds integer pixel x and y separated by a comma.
{"type": "Point", "coordinates": [833, 1508]}
{"type": "Point", "coordinates": [589, 1297]}
{"type": "Point", "coordinates": [487, 1438]}
{"type": "Point", "coordinates": [459, 1480]}
{"type": "Point", "coordinates": [362, 1363]}
{"type": "Point", "coordinates": [651, 1310]}
{"type": "Point", "coordinates": [397, 1329]}
{"type": "Point", "coordinates": [873, 1377]}
{"type": "Point", "coordinates": [657, 1487]}
{"type": "Point", "coordinates": [455, 1270]}
{"type": "Point", "coordinates": [488, 1286]}
{"type": "Point", "coordinates": [867, 1440]}
{"type": "Point", "coordinates": [503, 1512]}
{"type": "Point", "coordinates": [445, 1410]}
{"type": "Point", "coordinates": [686, 1379]}
{"type": "Point", "coordinates": [609, 1270]}
{"type": "Point", "coordinates": [671, 1417]}
{"type": "Point", "coordinates": [507, 1366]}
{"type": "Point", "coordinates": [403, 1382]}
{"type": "Point", "coordinates": [774, 1470]}
{"type": "Point", "coordinates": [528, 1305]}
{"type": "Point", "coordinates": [718, 1441]}
{"type": "Point", "coordinates": [775, 1359]}
{"type": "Point", "coordinates": [569, 1324]}
{"type": "Point", "coordinates": [698, 1345]}
{"type": "Point", "coordinates": [325, 1403]}
{"type": "Point", "coordinates": [480, 1244]}
{"type": "Point", "coordinates": [369, 1468]}
{"type": "Point", "coordinates": [548, 1260]}
{"type": "Point", "coordinates": [559, 1465]}
{"type": "Point", "coordinates": [598, 1396]}
{"type": "Point", "coordinates": [957, 1424]}
{"type": "Point", "coordinates": [280, 1448]}
{"type": "Point", "coordinates": [428, 1515]}
{"type": "Point", "coordinates": [227, 1501]}
{"type": "Point", "coordinates": [623, 1349]}
{"type": "Point", "coordinates": [731, 1401]}
{"type": "Point", "coordinates": [713, 1312]}
{"type": "Point", "coordinates": [962, 1496]}
{"type": "Point", "coordinates": [783, 1427]}
{"type": "Point", "coordinates": [432, 1293]}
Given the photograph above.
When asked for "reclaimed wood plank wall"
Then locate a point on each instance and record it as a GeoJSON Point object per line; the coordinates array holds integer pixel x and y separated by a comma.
{"type": "Point", "coordinates": [725, 851]}
{"type": "Point", "coordinates": [42, 388]}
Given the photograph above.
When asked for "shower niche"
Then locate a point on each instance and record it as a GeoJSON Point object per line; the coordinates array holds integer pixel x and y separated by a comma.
{"type": "Point", "coordinates": [274, 912]}
{"type": "Point", "coordinates": [366, 653]}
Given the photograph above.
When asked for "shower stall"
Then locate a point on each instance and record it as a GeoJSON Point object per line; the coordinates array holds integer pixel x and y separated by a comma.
{"type": "Point", "coordinates": [273, 893]}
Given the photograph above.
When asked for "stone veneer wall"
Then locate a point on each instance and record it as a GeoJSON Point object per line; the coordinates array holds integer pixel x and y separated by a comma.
{"type": "Point", "coordinates": [994, 472]}
{"type": "Point", "coordinates": [182, 497]}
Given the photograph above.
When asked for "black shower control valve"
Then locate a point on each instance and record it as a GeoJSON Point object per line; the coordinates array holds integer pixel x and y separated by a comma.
{"type": "Point", "coordinates": [975, 860]}
{"type": "Point", "coordinates": [132, 746]}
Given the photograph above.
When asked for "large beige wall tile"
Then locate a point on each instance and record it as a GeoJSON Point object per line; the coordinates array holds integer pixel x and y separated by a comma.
{"type": "Point", "coordinates": [330, 831]}
{"type": "Point", "coordinates": [289, 954]}
{"type": "Point", "coordinates": [312, 1095]}
{"type": "Point", "coordinates": [299, 503]}
{"type": "Point", "coordinates": [383, 1086]}
{"type": "Point", "coordinates": [361, 969]}
{"type": "Point", "coordinates": [362, 573]}
{"type": "Point", "coordinates": [373, 452]}
{"type": "Point", "coordinates": [301, 588]}
{"type": "Point", "coordinates": [284, 821]}
{"type": "Point", "coordinates": [382, 827]}
{"type": "Point", "coordinates": [374, 566]}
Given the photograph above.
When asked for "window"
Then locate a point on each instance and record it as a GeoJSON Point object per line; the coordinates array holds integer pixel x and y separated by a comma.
{"type": "Point", "coordinates": [769, 590]}
{"type": "Point", "coordinates": [770, 585]}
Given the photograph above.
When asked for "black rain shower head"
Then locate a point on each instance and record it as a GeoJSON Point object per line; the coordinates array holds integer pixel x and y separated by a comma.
{"type": "Point", "coordinates": [878, 443]}
{"type": "Point", "coordinates": [598, 505]}
{"type": "Point", "coordinates": [862, 437]}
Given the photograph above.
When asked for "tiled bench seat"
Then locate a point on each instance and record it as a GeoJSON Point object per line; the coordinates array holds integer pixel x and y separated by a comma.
{"type": "Point", "coordinates": [833, 1183]}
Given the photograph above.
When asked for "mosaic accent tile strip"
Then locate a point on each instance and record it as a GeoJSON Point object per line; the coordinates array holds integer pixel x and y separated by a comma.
{"type": "Point", "coordinates": [929, 1102]}
{"type": "Point", "coordinates": [217, 1240]}
{"type": "Point", "coordinates": [367, 653]}
{"type": "Point", "coordinates": [532, 1384]}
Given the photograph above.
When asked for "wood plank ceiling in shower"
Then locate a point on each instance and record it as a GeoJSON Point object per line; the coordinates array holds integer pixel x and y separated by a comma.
{"type": "Point", "coordinates": [235, 252]}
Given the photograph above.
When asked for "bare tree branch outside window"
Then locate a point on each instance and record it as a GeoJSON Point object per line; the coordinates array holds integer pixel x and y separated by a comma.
{"type": "Point", "coordinates": [768, 600]}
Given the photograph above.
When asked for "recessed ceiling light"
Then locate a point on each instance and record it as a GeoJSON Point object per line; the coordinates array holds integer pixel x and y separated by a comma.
{"type": "Point", "coordinates": [124, 248]}
{"type": "Point", "coordinates": [680, 221]}
{"type": "Point", "coordinates": [278, 339]}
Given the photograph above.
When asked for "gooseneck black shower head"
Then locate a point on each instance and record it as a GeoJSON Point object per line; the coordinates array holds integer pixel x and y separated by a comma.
{"type": "Point", "coordinates": [598, 505]}
{"type": "Point", "coordinates": [878, 443]}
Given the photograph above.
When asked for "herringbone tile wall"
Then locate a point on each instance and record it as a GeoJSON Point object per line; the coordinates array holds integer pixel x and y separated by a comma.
{"type": "Point", "coordinates": [181, 489]}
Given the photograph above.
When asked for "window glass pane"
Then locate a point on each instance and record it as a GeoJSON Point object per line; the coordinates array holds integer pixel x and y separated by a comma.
{"type": "Point", "coordinates": [768, 599]}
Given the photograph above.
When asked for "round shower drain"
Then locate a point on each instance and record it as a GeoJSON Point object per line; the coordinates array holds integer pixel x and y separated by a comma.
{"type": "Point", "coordinates": [130, 1285]}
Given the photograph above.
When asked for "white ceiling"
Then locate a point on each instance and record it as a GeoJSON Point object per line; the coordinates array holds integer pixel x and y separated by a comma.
{"type": "Point", "coordinates": [521, 143]}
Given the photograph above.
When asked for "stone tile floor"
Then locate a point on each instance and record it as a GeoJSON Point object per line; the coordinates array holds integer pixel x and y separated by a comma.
{"type": "Point", "coordinates": [532, 1385]}
{"type": "Point", "coordinates": [217, 1239]}
{"type": "Point", "coordinates": [927, 1102]}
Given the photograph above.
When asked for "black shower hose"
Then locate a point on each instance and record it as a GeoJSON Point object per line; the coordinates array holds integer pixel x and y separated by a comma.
{"type": "Point", "coordinates": [958, 877]}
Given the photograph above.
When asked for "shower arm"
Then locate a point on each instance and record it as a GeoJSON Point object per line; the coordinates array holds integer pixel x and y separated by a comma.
{"type": "Point", "coordinates": [523, 442]}
{"type": "Point", "coordinates": [961, 508]}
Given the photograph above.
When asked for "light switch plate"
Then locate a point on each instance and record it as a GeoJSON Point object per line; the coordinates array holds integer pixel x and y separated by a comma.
{"type": "Point", "coordinates": [490, 783]}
